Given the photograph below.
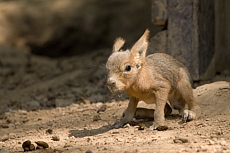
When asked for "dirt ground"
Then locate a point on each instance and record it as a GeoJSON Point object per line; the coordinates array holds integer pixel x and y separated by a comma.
{"type": "Point", "coordinates": [65, 103]}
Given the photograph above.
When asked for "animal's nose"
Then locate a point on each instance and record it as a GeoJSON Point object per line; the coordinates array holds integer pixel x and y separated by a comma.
{"type": "Point", "coordinates": [110, 82]}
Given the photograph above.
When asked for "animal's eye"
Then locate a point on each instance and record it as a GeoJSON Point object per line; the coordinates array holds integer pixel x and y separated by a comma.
{"type": "Point", "coordinates": [128, 68]}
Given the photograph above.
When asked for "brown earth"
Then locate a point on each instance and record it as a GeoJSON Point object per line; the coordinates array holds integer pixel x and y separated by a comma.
{"type": "Point", "coordinates": [65, 94]}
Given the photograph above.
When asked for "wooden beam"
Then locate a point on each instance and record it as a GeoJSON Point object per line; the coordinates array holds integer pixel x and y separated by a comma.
{"type": "Point", "coordinates": [191, 34]}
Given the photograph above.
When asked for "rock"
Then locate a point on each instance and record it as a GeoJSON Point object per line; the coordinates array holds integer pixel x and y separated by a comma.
{"type": "Point", "coordinates": [49, 131]}
{"type": "Point", "coordinates": [88, 151]}
{"type": "Point", "coordinates": [102, 108]}
{"type": "Point", "coordinates": [5, 126]}
{"type": "Point", "coordinates": [141, 126]}
{"type": "Point", "coordinates": [162, 128]}
{"type": "Point", "coordinates": [180, 140]}
{"type": "Point", "coordinates": [99, 104]}
{"type": "Point", "coordinates": [116, 131]}
{"type": "Point", "coordinates": [27, 145]}
{"type": "Point", "coordinates": [42, 144]}
{"type": "Point", "coordinates": [177, 141]}
{"type": "Point", "coordinates": [96, 118]}
{"type": "Point", "coordinates": [55, 138]}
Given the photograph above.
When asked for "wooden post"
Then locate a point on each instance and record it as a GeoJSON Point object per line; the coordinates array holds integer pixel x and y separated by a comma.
{"type": "Point", "coordinates": [190, 32]}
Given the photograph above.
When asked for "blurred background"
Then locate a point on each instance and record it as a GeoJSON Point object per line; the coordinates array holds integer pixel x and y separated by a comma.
{"type": "Point", "coordinates": [64, 27]}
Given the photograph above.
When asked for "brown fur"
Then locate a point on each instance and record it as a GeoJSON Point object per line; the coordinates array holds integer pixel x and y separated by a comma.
{"type": "Point", "coordinates": [153, 79]}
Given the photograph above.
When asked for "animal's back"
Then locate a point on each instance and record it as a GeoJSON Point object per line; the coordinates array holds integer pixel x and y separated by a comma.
{"type": "Point", "coordinates": [167, 66]}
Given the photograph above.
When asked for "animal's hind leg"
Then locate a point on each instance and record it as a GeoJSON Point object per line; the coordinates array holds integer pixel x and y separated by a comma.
{"type": "Point", "coordinates": [179, 105]}
{"type": "Point", "coordinates": [194, 110]}
{"type": "Point", "coordinates": [185, 90]}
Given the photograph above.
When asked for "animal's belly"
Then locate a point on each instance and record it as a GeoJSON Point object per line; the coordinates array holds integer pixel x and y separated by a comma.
{"type": "Point", "coordinates": [149, 99]}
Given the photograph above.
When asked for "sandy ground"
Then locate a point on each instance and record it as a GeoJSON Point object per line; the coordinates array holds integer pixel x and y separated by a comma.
{"type": "Point", "coordinates": [64, 102]}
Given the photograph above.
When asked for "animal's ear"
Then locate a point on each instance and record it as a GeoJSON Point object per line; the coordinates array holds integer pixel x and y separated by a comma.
{"type": "Point", "coordinates": [119, 42]}
{"type": "Point", "coordinates": [139, 48]}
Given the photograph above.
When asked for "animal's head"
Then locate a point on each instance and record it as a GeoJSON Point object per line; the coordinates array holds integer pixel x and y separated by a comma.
{"type": "Point", "coordinates": [123, 66]}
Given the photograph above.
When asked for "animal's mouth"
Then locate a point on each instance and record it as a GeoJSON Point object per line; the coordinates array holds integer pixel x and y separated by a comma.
{"type": "Point", "coordinates": [114, 89]}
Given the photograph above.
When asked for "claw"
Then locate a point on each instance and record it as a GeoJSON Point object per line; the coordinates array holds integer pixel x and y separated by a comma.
{"type": "Point", "coordinates": [188, 116]}
{"type": "Point", "coordinates": [158, 127]}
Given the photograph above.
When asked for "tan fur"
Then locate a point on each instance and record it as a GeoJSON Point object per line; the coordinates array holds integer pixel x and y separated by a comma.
{"type": "Point", "coordinates": [153, 79]}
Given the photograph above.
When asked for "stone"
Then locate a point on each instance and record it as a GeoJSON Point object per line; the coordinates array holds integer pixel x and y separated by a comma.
{"type": "Point", "coordinates": [88, 151]}
{"type": "Point", "coordinates": [55, 138]}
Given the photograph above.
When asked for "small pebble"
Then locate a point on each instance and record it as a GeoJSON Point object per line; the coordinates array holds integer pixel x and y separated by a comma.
{"type": "Point", "coordinates": [96, 118]}
{"type": "Point", "coordinates": [180, 140]}
{"type": "Point", "coordinates": [49, 131]}
{"type": "Point", "coordinates": [55, 138]}
{"type": "Point", "coordinates": [141, 126]}
{"type": "Point", "coordinates": [26, 144]}
{"type": "Point", "coordinates": [177, 141]}
{"type": "Point", "coordinates": [42, 144]}
{"type": "Point", "coordinates": [5, 126]}
{"type": "Point", "coordinates": [162, 128]}
{"type": "Point", "coordinates": [88, 151]}
{"type": "Point", "coordinates": [102, 109]}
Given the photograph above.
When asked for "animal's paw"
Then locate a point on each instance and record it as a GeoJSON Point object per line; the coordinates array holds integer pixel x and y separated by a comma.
{"type": "Point", "coordinates": [158, 127]}
{"type": "Point", "coordinates": [188, 115]}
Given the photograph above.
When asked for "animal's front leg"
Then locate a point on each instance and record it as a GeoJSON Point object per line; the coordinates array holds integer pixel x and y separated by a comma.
{"type": "Point", "coordinates": [129, 112]}
{"type": "Point", "coordinates": [161, 100]}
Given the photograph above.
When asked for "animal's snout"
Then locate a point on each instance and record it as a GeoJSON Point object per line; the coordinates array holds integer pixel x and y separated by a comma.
{"type": "Point", "coordinates": [111, 82]}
